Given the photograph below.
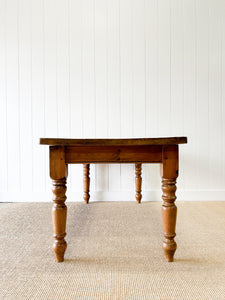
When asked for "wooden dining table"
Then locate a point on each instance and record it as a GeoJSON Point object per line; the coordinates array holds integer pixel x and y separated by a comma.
{"type": "Point", "coordinates": [164, 151]}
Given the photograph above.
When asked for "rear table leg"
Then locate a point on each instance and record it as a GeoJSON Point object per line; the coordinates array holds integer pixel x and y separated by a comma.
{"type": "Point", "coordinates": [138, 181]}
{"type": "Point", "coordinates": [86, 182]}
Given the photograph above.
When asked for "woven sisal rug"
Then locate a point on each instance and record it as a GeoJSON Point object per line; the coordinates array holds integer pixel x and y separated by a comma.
{"type": "Point", "coordinates": [114, 252]}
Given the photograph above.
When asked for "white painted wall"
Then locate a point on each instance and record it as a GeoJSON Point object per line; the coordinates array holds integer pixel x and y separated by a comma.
{"type": "Point", "coordinates": [112, 68]}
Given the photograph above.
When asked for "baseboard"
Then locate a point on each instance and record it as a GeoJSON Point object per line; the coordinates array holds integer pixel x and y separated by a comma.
{"type": "Point", "coordinates": [153, 195]}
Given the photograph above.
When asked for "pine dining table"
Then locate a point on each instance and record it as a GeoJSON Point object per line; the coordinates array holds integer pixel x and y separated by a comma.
{"type": "Point", "coordinates": [163, 150]}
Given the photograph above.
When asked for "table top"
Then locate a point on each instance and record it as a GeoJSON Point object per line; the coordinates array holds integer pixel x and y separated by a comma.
{"type": "Point", "coordinates": [114, 142]}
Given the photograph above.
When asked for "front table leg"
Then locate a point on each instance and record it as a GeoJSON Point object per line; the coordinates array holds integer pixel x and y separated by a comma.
{"type": "Point", "coordinates": [169, 173]}
{"type": "Point", "coordinates": [58, 173]}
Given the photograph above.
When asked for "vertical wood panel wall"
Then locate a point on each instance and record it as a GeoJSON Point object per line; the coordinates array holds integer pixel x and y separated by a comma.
{"type": "Point", "coordinates": [112, 68]}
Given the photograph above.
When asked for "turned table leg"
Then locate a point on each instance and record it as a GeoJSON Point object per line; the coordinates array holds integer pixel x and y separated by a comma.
{"type": "Point", "coordinates": [86, 182]}
{"type": "Point", "coordinates": [58, 173]}
{"type": "Point", "coordinates": [138, 181]}
{"type": "Point", "coordinates": [169, 173]}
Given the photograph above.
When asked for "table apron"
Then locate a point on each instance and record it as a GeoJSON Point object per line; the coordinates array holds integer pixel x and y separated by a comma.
{"type": "Point", "coordinates": [113, 154]}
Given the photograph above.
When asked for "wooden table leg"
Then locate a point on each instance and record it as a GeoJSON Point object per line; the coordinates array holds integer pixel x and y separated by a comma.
{"type": "Point", "coordinates": [86, 182]}
{"type": "Point", "coordinates": [58, 173]}
{"type": "Point", "coordinates": [138, 181]}
{"type": "Point", "coordinates": [169, 173]}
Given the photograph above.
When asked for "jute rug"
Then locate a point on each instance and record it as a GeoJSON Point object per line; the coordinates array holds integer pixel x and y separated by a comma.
{"type": "Point", "coordinates": [114, 252]}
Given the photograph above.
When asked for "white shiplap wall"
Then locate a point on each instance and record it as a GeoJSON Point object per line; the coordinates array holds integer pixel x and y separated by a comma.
{"type": "Point", "coordinates": [112, 68]}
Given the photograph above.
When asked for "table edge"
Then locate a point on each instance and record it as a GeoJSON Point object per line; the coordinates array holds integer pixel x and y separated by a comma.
{"type": "Point", "coordinates": [113, 142]}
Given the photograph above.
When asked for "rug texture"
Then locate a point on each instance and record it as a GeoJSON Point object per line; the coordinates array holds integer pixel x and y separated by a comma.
{"type": "Point", "coordinates": [114, 252]}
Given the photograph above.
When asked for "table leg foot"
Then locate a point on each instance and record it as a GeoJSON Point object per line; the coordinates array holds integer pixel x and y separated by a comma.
{"type": "Point", "coordinates": [86, 182]}
{"type": "Point", "coordinates": [138, 182]}
{"type": "Point", "coordinates": [169, 250]}
{"type": "Point", "coordinates": [59, 249]}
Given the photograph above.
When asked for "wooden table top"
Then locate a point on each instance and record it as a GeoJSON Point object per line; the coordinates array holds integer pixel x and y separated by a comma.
{"type": "Point", "coordinates": [114, 142]}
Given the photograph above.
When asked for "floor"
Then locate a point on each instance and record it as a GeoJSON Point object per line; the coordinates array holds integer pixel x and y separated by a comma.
{"type": "Point", "coordinates": [114, 252]}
